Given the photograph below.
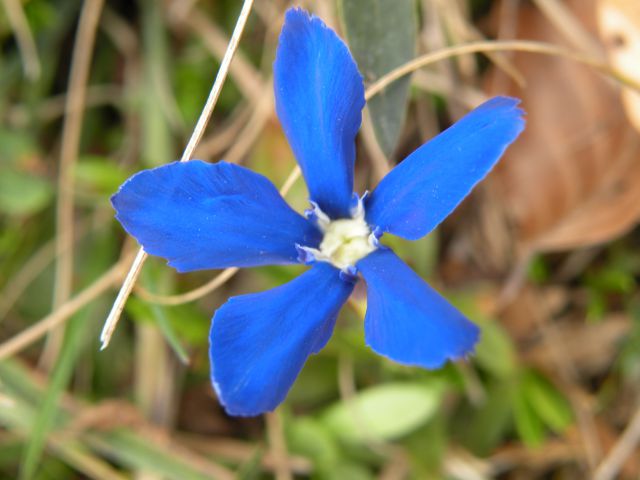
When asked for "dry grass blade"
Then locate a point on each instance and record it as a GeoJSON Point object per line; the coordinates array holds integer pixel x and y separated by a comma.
{"type": "Point", "coordinates": [72, 127]}
{"type": "Point", "coordinates": [501, 46]}
{"type": "Point", "coordinates": [31, 269]}
{"type": "Point", "coordinates": [24, 38]}
{"type": "Point", "coordinates": [90, 421]}
{"type": "Point", "coordinates": [214, 94]}
{"type": "Point", "coordinates": [456, 22]}
{"type": "Point", "coordinates": [249, 134]}
{"type": "Point", "coordinates": [623, 449]}
{"type": "Point", "coordinates": [467, 96]}
{"type": "Point", "coordinates": [241, 71]}
{"type": "Point", "coordinates": [190, 296]}
{"type": "Point", "coordinates": [26, 337]}
{"type": "Point", "coordinates": [378, 159]}
{"type": "Point", "coordinates": [562, 18]}
{"type": "Point", "coordinates": [54, 107]}
{"type": "Point", "coordinates": [89, 464]}
{"type": "Point", "coordinates": [278, 446]}
{"type": "Point", "coordinates": [216, 143]}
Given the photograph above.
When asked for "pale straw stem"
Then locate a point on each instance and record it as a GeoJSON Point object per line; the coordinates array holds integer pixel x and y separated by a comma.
{"type": "Point", "coordinates": [374, 89]}
{"type": "Point", "coordinates": [496, 46]}
{"type": "Point", "coordinates": [71, 131]}
{"type": "Point", "coordinates": [196, 136]}
{"type": "Point", "coordinates": [24, 38]}
{"type": "Point", "coordinates": [377, 87]}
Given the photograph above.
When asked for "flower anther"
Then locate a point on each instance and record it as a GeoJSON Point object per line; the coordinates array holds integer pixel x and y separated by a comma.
{"type": "Point", "coordinates": [345, 240]}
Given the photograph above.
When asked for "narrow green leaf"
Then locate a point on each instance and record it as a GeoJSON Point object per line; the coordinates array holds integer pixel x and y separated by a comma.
{"type": "Point", "coordinates": [141, 311]}
{"type": "Point", "coordinates": [528, 424]}
{"type": "Point", "coordinates": [47, 412]}
{"type": "Point", "coordinates": [384, 412]}
{"type": "Point", "coordinates": [251, 468]}
{"type": "Point", "coordinates": [487, 425]}
{"type": "Point", "coordinates": [552, 408]}
{"type": "Point", "coordinates": [157, 147]}
{"type": "Point", "coordinates": [382, 36]}
{"type": "Point", "coordinates": [126, 448]}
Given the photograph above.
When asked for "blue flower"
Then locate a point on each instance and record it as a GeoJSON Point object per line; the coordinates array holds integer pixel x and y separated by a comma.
{"type": "Point", "coordinates": [204, 216]}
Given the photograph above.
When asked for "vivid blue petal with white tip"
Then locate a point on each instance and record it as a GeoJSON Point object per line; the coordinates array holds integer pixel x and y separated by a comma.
{"type": "Point", "coordinates": [199, 215]}
{"type": "Point", "coordinates": [259, 342]}
{"type": "Point", "coordinates": [319, 100]}
{"type": "Point", "coordinates": [430, 183]}
{"type": "Point", "coordinates": [406, 320]}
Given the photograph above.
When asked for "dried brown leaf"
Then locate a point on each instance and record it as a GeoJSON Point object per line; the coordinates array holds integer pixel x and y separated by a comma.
{"type": "Point", "coordinates": [569, 181]}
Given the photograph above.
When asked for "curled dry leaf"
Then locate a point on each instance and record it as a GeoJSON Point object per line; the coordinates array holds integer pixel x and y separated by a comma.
{"type": "Point", "coordinates": [619, 24]}
{"type": "Point", "coordinates": [571, 179]}
{"type": "Point", "coordinates": [589, 349]}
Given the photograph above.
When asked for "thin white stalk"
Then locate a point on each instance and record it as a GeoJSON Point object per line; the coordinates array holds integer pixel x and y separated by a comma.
{"type": "Point", "coordinates": [196, 136]}
{"type": "Point", "coordinates": [121, 299]}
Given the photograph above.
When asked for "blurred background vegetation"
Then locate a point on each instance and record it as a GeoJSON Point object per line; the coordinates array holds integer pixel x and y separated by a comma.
{"type": "Point", "coordinates": [543, 256]}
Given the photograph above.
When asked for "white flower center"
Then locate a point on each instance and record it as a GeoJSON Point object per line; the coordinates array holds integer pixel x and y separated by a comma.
{"type": "Point", "coordinates": [345, 241]}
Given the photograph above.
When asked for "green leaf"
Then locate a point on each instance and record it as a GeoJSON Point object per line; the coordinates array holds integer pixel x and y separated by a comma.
{"type": "Point", "coordinates": [169, 333]}
{"type": "Point", "coordinates": [528, 425]}
{"type": "Point", "coordinates": [495, 351]}
{"type": "Point", "coordinates": [47, 413]}
{"type": "Point", "coordinates": [309, 437]}
{"type": "Point", "coordinates": [487, 425]}
{"type": "Point", "coordinates": [350, 470]}
{"type": "Point", "coordinates": [552, 408]}
{"type": "Point", "coordinates": [384, 412]}
{"type": "Point", "coordinates": [17, 147]}
{"type": "Point", "coordinates": [157, 146]}
{"type": "Point", "coordinates": [98, 174]}
{"type": "Point", "coordinates": [382, 36]}
{"type": "Point", "coordinates": [421, 255]}
{"type": "Point", "coordinates": [537, 405]}
{"type": "Point", "coordinates": [251, 468]}
{"type": "Point", "coordinates": [22, 193]}
{"type": "Point", "coordinates": [316, 383]}
{"type": "Point", "coordinates": [142, 311]}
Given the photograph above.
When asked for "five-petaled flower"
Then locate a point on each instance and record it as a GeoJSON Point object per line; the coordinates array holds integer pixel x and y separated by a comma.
{"type": "Point", "coordinates": [204, 216]}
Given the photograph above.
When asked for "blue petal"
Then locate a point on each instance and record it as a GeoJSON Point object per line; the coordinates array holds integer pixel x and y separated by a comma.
{"type": "Point", "coordinates": [407, 321]}
{"type": "Point", "coordinates": [259, 342]}
{"type": "Point", "coordinates": [199, 215]}
{"type": "Point", "coordinates": [430, 183]}
{"type": "Point", "coordinates": [319, 100]}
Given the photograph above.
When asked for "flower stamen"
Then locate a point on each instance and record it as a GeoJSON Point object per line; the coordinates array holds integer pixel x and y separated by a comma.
{"type": "Point", "coordinates": [345, 241]}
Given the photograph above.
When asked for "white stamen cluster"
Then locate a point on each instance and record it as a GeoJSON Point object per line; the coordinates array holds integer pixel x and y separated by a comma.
{"type": "Point", "coordinates": [345, 240]}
